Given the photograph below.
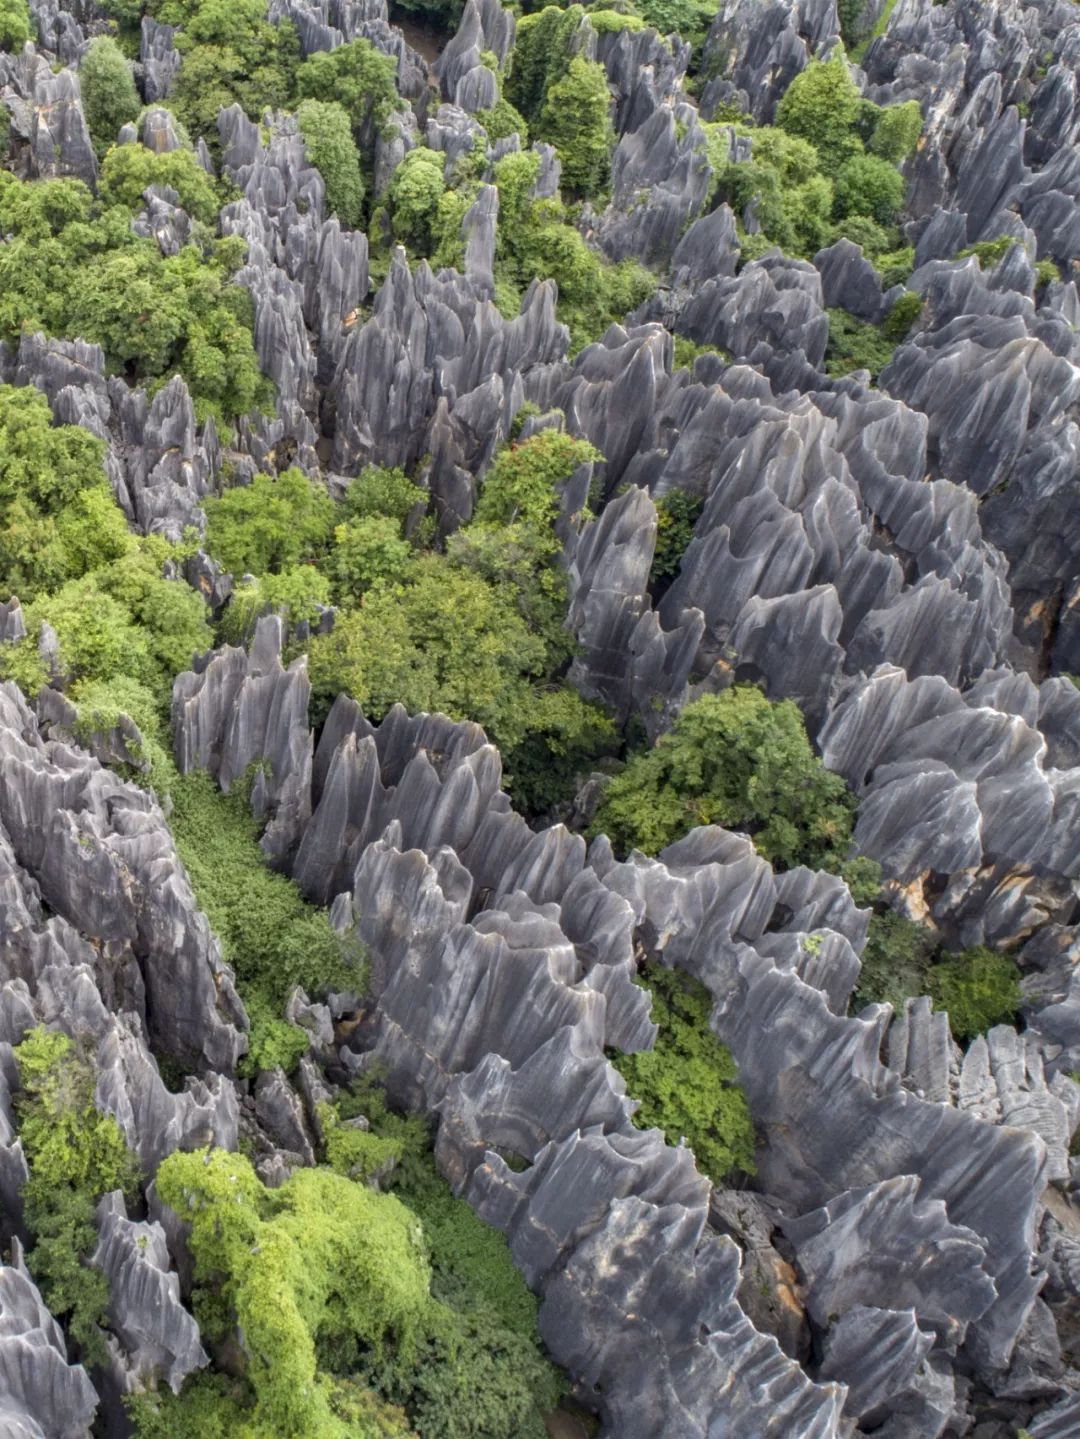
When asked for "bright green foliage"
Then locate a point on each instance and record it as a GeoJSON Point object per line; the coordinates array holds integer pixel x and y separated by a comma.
{"type": "Point", "coordinates": [523, 485]}
{"type": "Point", "coordinates": [676, 515]}
{"type": "Point", "coordinates": [355, 76]}
{"type": "Point", "coordinates": [271, 937]}
{"type": "Point", "coordinates": [102, 702]}
{"type": "Point", "coordinates": [413, 195]}
{"type": "Point", "coordinates": [738, 760]}
{"type": "Point", "coordinates": [212, 1406]}
{"type": "Point", "coordinates": [868, 185]}
{"type": "Point", "coordinates": [232, 54]}
{"type": "Point", "coordinates": [128, 170]}
{"type": "Point", "coordinates": [444, 640]}
{"type": "Point", "coordinates": [611, 22]}
{"type": "Point", "coordinates": [503, 120]}
{"type": "Point", "coordinates": [367, 552]}
{"type": "Point", "coordinates": [989, 252]}
{"type": "Point", "coordinates": [327, 132]}
{"type": "Point", "coordinates": [895, 960]}
{"type": "Point", "coordinates": [57, 515]}
{"type": "Point", "coordinates": [565, 734]}
{"type": "Point", "coordinates": [690, 18]}
{"type": "Point", "coordinates": [15, 27]}
{"type": "Point", "coordinates": [896, 131]}
{"type": "Point", "coordinates": [687, 1084]}
{"type": "Point", "coordinates": [273, 1043]}
{"type": "Point", "coordinates": [109, 97]}
{"type": "Point", "coordinates": [856, 345]}
{"type": "Point", "coordinates": [1046, 273]}
{"type": "Point", "coordinates": [978, 988]}
{"type": "Point", "coordinates": [378, 490]}
{"type": "Point", "coordinates": [534, 242]}
{"type": "Point", "coordinates": [481, 1374]}
{"type": "Point", "coordinates": [75, 1155]}
{"type": "Point", "coordinates": [123, 619]}
{"type": "Point", "coordinates": [822, 105]}
{"type": "Point", "coordinates": [791, 200]}
{"type": "Point", "coordinates": [318, 1257]}
{"type": "Point", "coordinates": [272, 524]}
{"type": "Point", "coordinates": [543, 49]}
{"type": "Point", "coordinates": [355, 1153]}
{"type": "Point", "coordinates": [71, 272]}
{"type": "Point", "coordinates": [298, 594]}
{"type": "Point", "coordinates": [575, 119]}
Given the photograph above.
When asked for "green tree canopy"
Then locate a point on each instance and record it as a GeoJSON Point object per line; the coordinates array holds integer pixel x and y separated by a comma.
{"type": "Point", "coordinates": [739, 760]}
{"type": "Point", "coordinates": [109, 96]}
{"type": "Point", "coordinates": [355, 76]}
{"type": "Point", "coordinates": [575, 119]}
{"type": "Point", "coordinates": [687, 1084]}
{"type": "Point", "coordinates": [272, 524]}
{"type": "Point", "coordinates": [128, 170]}
{"type": "Point", "coordinates": [327, 132]}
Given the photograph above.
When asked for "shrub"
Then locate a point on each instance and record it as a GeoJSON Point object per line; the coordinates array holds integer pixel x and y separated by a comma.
{"type": "Point", "coordinates": [822, 105]}
{"type": "Point", "coordinates": [413, 196]}
{"type": "Point", "coordinates": [356, 76]}
{"type": "Point", "coordinates": [575, 119]}
{"type": "Point", "coordinates": [75, 1155]}
{"type": "Point", "coordinates": [895, 961]}
{"type": "Point", "coordinates": [734, 759]}
{"type": "Point", "coordinates": [299, 594]}
{"type": "Point", "coordinates": [378, 490]}
{"type": "Point", "coordinates": [328, 140]}
{"type": "Point", "coordinates": [109, 97]}
{"type": "Point", "coordinates": [15, 25]}
{"type": "Point", "coordinates": [687, 1084]}
{"type": "Point", "coordinates": [272, 524]}
{"type": "Point", "coordinates": [128, 170]}
{"type": "Point", "coordinates": [896, 131]}
{"type": "Point", "coordinates": [868, 185]}
{"type": "Point", "coordinates": [856, 345]}
{"type": "Point", "coordinates": [676, 515]}
{"type": "Point", "coordinates": [978, 988]}
{"type": "Point", "coordinates": [367, 552]}
{"type": "Point", "coordinates": [313, 1259]}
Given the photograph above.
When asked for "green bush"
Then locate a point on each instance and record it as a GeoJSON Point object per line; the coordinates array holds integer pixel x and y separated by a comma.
{"type": "Point", "coordinates": [298, 593]}
{"type": "Point", "coordinates": [823, 105]}
{"type": "Point", "coordinates": [15, 25]}
{"type": "Point", "coordinates": [367, 552]}
{"type": "Point", "coordinates": [356, 76]}
{"type": "Point", "coordinates": [413, 196]}
{"type": "Point", "coordinates": [978, 988]}
{"type": "Point", "coordinates": [896, 131]}
{"type": "Point", "coordinates": [109, 96]}
{"type": "Point", "coordinates": [575, 119]}
{"type": "Point", "coordinates": [687, 1085]}
{"type": "Point", "coordinates": [378, 490]}
{"type": "Point", "coordinates": [317, 1257]}
{"type": "Point", "coordinates": [895, 961]}
{"type": "Point", "coordinates": [272, 524]}
{"type": "Point", "coordinates": [868, 185]}
{"type": "Point", "coordinates": [327, 132]}
{"type": "Point", "coordinates": [676, 515]}
{"type": "Point", "coordinates": [904, 314]}
{"type": "Point", "coordinates": [856, 345]}
{"type": "Point", "coordinates": [269, 934]}
{"type": "Point", "coordinates": [128, 170]}
{"type": "Point", "coordinates": [738, 760]}
{"type": "Point", "coordinates": [75, 1155]}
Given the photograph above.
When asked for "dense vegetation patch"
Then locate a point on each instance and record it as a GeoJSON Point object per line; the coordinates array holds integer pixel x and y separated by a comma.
{"type": "Point", "coordinates": [742, 761]}
{"type": "Point", "coordinates": [75, 1156]}
{"type": "Point", "coordinates": [686, 1084]}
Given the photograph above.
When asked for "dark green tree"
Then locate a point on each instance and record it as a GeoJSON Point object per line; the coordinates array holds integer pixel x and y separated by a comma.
{"type": "Point", "coordinates": [327, 133]}
{"type": "Point", "coordinates": [575, 119]}
{"type": "Point", "coordinates": [108, 90]}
